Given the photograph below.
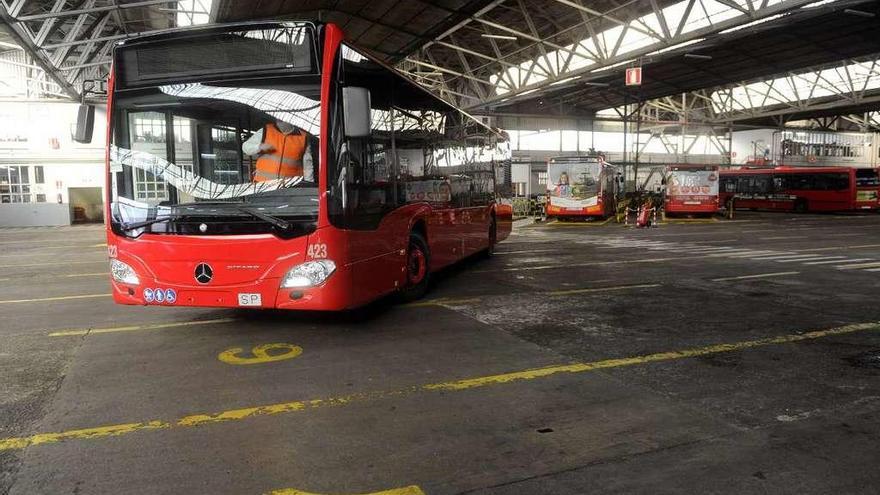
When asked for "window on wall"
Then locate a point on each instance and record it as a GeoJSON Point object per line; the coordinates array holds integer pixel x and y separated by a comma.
{"type": "Point", "coordinates": [15, 186]}
{"type": "Point", "coordinates": [148, 134]}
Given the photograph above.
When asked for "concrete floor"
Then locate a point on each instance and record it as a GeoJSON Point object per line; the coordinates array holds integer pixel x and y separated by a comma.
{"type": "Point", "coordinates": [580, 359]}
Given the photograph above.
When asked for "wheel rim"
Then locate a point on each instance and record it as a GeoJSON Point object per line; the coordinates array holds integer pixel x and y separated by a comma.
{"type": "Point", "coordinates": [416, 264]}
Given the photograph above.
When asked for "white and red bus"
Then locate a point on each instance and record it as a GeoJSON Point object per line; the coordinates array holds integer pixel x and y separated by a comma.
{"type": "Point", "coordinates": [799, 189]}
{"type": "Point", "coordinates": [868, 188]}
{"type": "Point", "coordinates": [691, 189]}
{"type": "Point", "coordinates": [580, 187]}
{"type": "Point", "coordinates": [395, 183]}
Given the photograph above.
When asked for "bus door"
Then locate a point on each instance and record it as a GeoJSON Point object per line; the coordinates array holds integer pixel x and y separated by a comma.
{"type": "Point", "coordinates": [366, 200]}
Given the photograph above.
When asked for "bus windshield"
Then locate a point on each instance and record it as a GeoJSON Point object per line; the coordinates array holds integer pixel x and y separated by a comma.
{"type": "Point", "coordinates": [867, 177]}
{"type": "Point", "coordinates": [224, 154]}
{"type": "Point", "coordinates": [692, 184]}
{"type": "Point", "coordinates": [573, 183]}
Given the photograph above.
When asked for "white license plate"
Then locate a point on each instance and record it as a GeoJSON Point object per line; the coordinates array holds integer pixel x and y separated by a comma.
{"type": "Point", "coordinates": [249, 299]}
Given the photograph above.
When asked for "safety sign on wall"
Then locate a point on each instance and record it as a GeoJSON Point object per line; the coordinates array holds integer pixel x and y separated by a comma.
{"type": "Point", "coordinates": [634, 76]}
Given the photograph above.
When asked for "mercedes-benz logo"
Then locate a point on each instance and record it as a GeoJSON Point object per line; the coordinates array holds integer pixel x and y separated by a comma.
{"type": "Point", "coordinates": [204, 273]}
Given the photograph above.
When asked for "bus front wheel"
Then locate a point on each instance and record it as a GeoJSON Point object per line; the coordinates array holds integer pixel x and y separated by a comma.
{"type": "Point", "coordinates": [493, 239]}
{"type": "Point", "coordinates": [417, 272]}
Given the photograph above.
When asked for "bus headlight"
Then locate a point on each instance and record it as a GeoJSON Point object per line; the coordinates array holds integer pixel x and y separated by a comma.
{"type": "Point", "coordinates": [308, 274]}
{"type": "Point", "coordinates": [121, 272]}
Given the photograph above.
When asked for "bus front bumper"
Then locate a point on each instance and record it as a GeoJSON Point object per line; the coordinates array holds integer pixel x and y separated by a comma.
{"type": "Point", "coordinates": [332, 295]}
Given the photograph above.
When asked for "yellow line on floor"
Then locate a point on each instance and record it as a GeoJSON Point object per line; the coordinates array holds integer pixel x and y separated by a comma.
{"type": "Point", "coordinates": [50, 263]}
{"type": "Point", "coordinates": [407, 490]}
{"type": "Point", "coordinates": [684, 221]}
{"type": "Point", "coordinates": [759, 275]}
{"type": "Point", "coordinates": [579, 224]}
{"type": "Point", "coordinates": [37, 252]}
{"type": "Point", "coordinates": [133, 328]}
{"type": "Point", "coordinates": [202, 419]}
{"type": "Point", "coordinates": [59, 298]}
{"type": "Point", "coordinates": [442, 301]}
{"type": "Point", "coordinates": [600, 289]}
{"type": "Point", "coordinates": [96, 274]}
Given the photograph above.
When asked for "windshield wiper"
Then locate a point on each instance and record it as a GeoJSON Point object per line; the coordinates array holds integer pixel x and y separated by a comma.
{"type": "Point", "coordinates": [137, 225]}
{"type": "Point", "coordinates": [281, 224]}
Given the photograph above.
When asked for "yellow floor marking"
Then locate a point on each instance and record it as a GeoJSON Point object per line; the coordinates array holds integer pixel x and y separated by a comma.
{"type": "Point", "coordinates": [260, 354]}
{"type": "Point", "coordinates": [682, 221]}
{"type": "Point", "coordinates": [760, 275]}
{"type": "Point", "coordinates": [557, 223]}
{"type": "Point", "coordinates": [59, 298]}
{"type": "Point", "coordinates": [106, 274]}
{"type": "Point", "coordinates": [441, 301]}
{"type": "Point", "coordinates": [456, 385]}
{"type": "Point", "coordinates": [133, 328]}
{"type": "Point", "coordinates": [32, 254]}
{"type": "Point", "coordinates": [103, 244]}
{"type": "Point", "coordinates": [51, 263]}
{"type": "Point", "coordinates": [600, 289]}
{"type": "Point", "coordinates": [407, 490]}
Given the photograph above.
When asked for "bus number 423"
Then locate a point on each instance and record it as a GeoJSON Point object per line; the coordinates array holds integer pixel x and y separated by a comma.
{"type": "Point", "coordinates": [317, 251]}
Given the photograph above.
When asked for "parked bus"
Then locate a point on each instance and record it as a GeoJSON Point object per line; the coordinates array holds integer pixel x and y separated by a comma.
{"type": "Point", "coordinates": [799, 189]}
{"type": "Point", "coordinates": [868, 188]}
{"type": "Point", "coordinates": [272, 165]}
{"type": "Point", "coordinates": [580, 187]}
{"type": "Point", "coordinates": [691, 189]}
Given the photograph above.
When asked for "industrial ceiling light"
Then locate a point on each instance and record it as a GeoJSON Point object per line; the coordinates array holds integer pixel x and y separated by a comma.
{"type": "Point", "coordinates": [697, 56]}
{"type": "Point", "coordinates": [860, 13]}
{"type": "Point", "coordinates": [596, 84]}
{"type": "Point", "coordinates": [10, 45]}
{"type": "Point", "coordinates": [499, 36]}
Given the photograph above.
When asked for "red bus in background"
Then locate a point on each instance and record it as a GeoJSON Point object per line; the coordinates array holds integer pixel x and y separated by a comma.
{"type": "Point", "coordinates": [868, 188]}
{"type": "Point", "coordinates": [691, 189]}
{"type": "Point", "coordinates": [580, 187]}
{"type": "Point", "coordinates": [395, 183]}
{"type": "Point", "coordinates": [799, 189]}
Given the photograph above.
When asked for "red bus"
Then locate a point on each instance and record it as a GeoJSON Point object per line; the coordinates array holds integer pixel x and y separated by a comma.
{"type": "Point", "coordinates": [384, 185]}
{"type": "Point", "coordinates": [868, 188]}
{"type": "Point", "coordinates": [580, 187]}
{"type": "Point", "coordinates": [799, 189]}
{"type": "Point", "coordinates": [691, 189]}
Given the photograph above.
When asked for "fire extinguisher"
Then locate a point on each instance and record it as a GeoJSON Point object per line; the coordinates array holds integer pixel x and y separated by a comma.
{"type": "Point", "coordinates": [644, 218]}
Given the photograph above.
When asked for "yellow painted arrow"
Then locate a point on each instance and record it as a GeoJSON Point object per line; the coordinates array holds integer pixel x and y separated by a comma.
{"type": "Point", "coordinates": [408, 490]}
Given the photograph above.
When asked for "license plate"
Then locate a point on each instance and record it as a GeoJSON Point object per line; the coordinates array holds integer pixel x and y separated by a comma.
{"type": "Point", "coordinates": [249, 299]}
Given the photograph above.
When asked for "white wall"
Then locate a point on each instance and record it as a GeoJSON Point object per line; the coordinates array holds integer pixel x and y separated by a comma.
{"type": "Point", "coordinates": [38, 133]}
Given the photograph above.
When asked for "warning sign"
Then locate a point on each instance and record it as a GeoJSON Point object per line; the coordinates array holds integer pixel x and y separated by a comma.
{"type": "Point", "coordinates": [634, 76]}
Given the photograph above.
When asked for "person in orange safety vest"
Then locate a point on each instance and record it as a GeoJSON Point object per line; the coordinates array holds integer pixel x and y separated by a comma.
{"type": "Point", "coordinates": [282, 150]}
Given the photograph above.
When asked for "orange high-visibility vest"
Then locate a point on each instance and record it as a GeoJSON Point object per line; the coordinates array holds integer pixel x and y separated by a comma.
{"type": "Point", "coordinates": [286, 160]}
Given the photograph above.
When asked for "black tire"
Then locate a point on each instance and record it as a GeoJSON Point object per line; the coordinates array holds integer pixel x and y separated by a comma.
{"type": "Point", "coordinates": [801, 206]}
{"type": "Point", "coordinates": [493, 239]}
{"type": "Point", "coordinates": [416, 283]}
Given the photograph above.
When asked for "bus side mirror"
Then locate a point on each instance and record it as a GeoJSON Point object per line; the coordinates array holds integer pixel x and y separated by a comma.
{"type": "Point", "coordinates": [85, 124]}
{"type": "Point", "coordinates": [356, 110]}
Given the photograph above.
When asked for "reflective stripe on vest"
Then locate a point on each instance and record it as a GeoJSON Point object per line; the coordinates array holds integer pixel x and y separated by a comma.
{"type": "Point", "coordinates": [286, 160]}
